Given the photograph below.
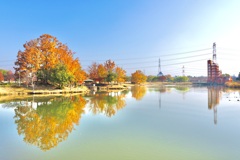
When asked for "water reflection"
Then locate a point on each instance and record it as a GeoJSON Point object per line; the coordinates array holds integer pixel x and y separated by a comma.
{"type": "Point", "coordinates": [182, 88]}
{"type": "Point", "coordinates": [138, 92]}
{"type": "Point", "coordinates": [214, 95]}
{"type": "Point", "coordinates": [107, 103]}
{"type": "Point", "coordinates": [47, 123]}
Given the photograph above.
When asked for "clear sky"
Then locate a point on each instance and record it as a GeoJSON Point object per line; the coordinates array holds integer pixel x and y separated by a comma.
{"type": "Point", "coordinates": [133, 33]}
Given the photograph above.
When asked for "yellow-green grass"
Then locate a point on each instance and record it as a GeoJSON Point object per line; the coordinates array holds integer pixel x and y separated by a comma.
{"type": "Point", "coordinates": [232, 84]}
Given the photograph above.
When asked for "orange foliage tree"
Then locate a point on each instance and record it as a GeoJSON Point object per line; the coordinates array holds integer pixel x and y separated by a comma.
{"type": "Point", "coordinates": [138, 77]}
{"type": "Point", "coordinates": [102, 72]}
{"type": "Point", "coordinates": [10, 76]}
{"type": "Point", "coordinates": [45, 53]}
{"type": "Point", "coordinates": [1, 77]}
{"type": "Point", "coordinates": [109, 65]}
{"type": "Point", "coordinates": [121, 75]}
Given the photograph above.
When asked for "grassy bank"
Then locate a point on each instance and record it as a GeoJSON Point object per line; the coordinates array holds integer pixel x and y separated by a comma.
{"type": "Point", "coordinates": [232, 84]}
{"type": "Point", "coordinates": [15, 90]}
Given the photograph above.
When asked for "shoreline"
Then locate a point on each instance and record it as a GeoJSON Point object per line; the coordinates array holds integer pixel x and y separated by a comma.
{"type": "Point", "coordinates": [4, 91]}
{"type": "Point", "coordinates": [43, 90]}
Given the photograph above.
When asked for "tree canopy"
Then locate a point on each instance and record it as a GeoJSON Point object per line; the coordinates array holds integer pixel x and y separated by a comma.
{"type": "Point", "coordinates": [42, 55]}
{"type": "Point", "coordinates": [107, 72]}
{"type": "Point", "coordinates": [181, 79]}
{"type": "Point", "coordinates": [1, 77]}
{"type": "Point", "coordinates": [138, 77]}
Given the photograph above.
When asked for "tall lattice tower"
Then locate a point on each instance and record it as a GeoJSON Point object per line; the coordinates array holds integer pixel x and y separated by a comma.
{"type": "Point", "coordinates": [214, 53]}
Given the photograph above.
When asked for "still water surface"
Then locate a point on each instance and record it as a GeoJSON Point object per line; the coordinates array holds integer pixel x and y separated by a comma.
{"type": "Point", "coordinates": [142, 124]}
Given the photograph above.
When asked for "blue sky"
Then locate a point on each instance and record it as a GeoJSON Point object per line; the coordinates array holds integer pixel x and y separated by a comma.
{"type": "Point", "coordinates": [133, 33]}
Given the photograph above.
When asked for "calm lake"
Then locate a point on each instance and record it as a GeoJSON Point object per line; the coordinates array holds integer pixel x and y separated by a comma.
{"type": "Point", "coordinates": [144, 123]}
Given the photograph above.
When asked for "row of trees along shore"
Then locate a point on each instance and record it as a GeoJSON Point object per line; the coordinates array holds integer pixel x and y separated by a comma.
{"type": "Point", "coordinates": [45, 60]}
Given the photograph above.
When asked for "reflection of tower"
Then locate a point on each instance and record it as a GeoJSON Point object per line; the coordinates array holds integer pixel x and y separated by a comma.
{"type": "Point", "coordinates": [213, 100]}
{"type": "Point", "coordinates": [159, 100]}
{"type": "Point", "coordinates": [159, 69]}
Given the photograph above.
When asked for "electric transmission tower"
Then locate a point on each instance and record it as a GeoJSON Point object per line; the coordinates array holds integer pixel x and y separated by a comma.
{"type": "Point", "coordinates": [214, 53]}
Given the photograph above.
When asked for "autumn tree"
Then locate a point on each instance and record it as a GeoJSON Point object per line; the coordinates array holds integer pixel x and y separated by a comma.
{"type": "Point", "coordinates": [106, 72]}
{"type": "Point", "coordinates": [43, 54]}
{"type": "Point", "coordinates": [162, 78]}
{"type": "Point", "coordinates": [121, 75]}
{"type": "Point", "coordinates": [102, 72]}
{"type": "Point", "coordinates": [93, 71]}
{"type": "Point", "coordinates": [1, 77]}
{"type": "Point", "coordinates": [10, 76]}
{"type": "Point", "coordinates": [169, 78]}
{"type": "Point", "coordinates": [138, 77]}
{"type": "Point", "coordinates": [109, 65]}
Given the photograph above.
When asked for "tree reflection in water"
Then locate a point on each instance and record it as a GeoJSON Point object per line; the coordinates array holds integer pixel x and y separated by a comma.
{"type": "Point", "coordinates": [51, 122]}
{"type": "Point", "coordinates": [107, 103]}
{"type": "Point", "coordinates": [138, 92]}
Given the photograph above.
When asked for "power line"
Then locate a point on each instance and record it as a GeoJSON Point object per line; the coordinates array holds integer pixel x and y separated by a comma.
{"type": "Point", "coordinates": [130, 63]}
{"type": "Point", "coordinates": [171, 54]}
{"type": "Point", "coordinates": [169, 64]}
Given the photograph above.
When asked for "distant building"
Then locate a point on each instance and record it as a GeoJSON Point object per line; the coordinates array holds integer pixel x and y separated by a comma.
{"type": "Point", "coordinates": [215, 75]}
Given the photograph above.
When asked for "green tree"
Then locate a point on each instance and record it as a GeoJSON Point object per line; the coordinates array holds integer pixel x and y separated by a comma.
{"type": "Point", "coordinates": [4, 72]}
{"type": "Point", "coordinates": [181, 79]}
{"type": "Point", "coordinates": [226, 75]}
{"type": "Point", "coordinates": [111, 77]}
{"type": "Point", "coordinates": [59, 76]}
{"type": "Point", "coordinates": [150, 78]}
